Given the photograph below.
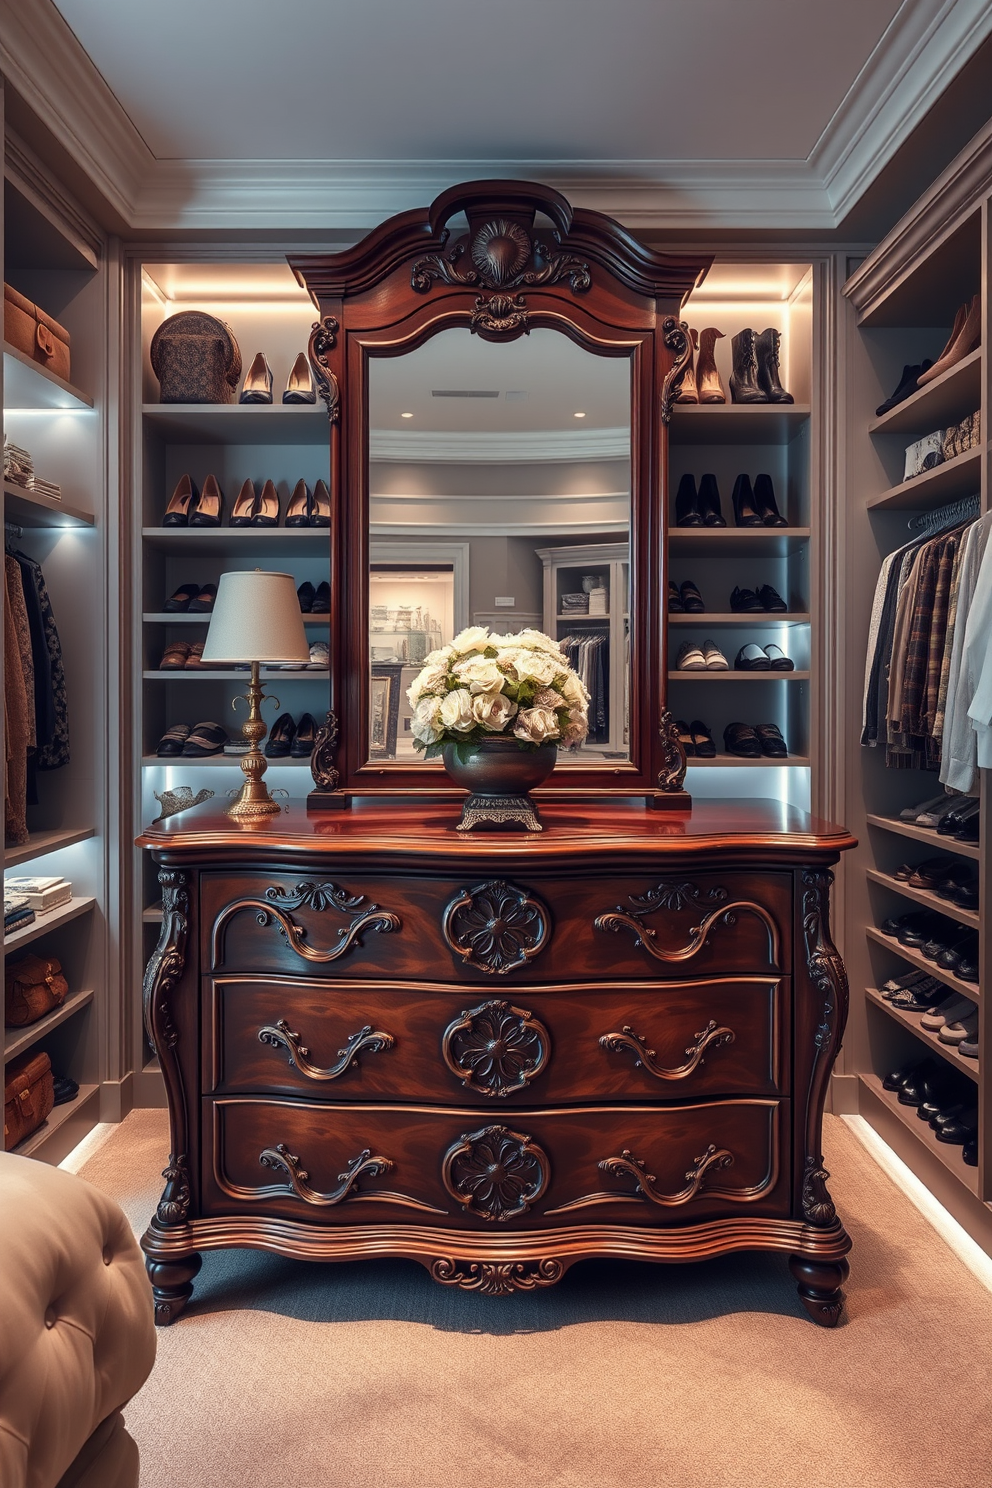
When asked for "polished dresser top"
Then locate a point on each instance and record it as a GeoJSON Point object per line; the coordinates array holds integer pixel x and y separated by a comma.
{"type": "Point", "coordinates": [425, 832]}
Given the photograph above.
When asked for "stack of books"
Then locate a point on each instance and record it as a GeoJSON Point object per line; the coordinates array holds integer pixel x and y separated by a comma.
{"type": "Point", "coordinates": [45, 488]}
{"type": "Point", "coordinates": [40, 894]}
{"type": "Point", "coordinates": [17, 912]}
{"type": "Point", "coordinates": [18, 466]}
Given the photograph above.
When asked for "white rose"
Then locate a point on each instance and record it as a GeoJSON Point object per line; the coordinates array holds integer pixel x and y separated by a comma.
{"type": "Point", "coordinates": [426, 725]}
{"type": "Point", "coordinates": [493, 710]}
{"type": "Point", "coordinates": [536, 725]}
{"type": "Point", "coordinates": [456, 710]}
{"type": "Point", "coordinates": [536, 640]}
{"type": "Point", "coordinates": [532, 666]}
{"type": "Point", "coordinates": [435, 658]}
{"type": "Point", "coordinates": [431, 679]}
{"type": "Point", "coordinates": [480, 674]}
{"type": "Point", "coordinates": [574, 692]}
{"type": "Point", "coordinates": [576, 728]}
{"type": "Point", "coordinates": [474, 638]}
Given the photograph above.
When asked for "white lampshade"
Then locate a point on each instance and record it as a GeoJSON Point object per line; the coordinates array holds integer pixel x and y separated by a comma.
{"type": "Point", "coordinates": [256, 617]}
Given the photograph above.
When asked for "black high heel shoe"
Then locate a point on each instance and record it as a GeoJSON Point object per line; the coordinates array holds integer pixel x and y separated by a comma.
{"type": "Point", "coordinates": [320, 506]}
{"type": "Point", "coordinates": [258, 383]}
{"type": "Point", "coordinates": [709, 502]}
{"type": "Point", "coordinates": [300, 388]}
{"type": "Point", "coordinates": [181, 504]}
{"type": "Point", "coordinates": [244, 505]}
{"type": "Point", "coordinates": [687, 513]}
{"type": "Point", "coordinates": [267, 510]}
{"type": "Point", "coordinates": [306, 730]}
{"type": "Point", "coordinates": [765, 504]}
{"type": "Point", "coordinates": [280, 741]}
{"type": "Point", "coordinates": [298, 511]}
{"type": "Point", "coordinates": [210, 507]}
{"type": "Point", "coordinates": [744, 510]}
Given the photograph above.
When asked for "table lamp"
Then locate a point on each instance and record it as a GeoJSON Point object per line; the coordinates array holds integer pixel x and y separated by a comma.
{"type": "Point", "coordinates": [256, 618]}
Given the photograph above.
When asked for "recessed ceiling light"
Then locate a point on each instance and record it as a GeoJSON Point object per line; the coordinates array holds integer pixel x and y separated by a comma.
{"type": "Point", "coordinates": [578, 415]}
{"type": "Point", "coordinates": [406, 415]}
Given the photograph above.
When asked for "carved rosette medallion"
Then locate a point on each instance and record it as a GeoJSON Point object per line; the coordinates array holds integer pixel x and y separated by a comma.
{"type": "Point", "coordinates": [322, 767]}
{"type": "Point", "coordinates": [829, 977]}
{"type": "Point", "coordinates": [496, 1174]}
{"type": "Point", "coordinates": [162, 975]}
{"type": "Point", "coordinates": [323, 339]}
{"type": "Point", "coordinates": [498, 1278]}
{"type": "Point", "coordinates": [496, 1049]}
{"type": "Point", "coordinates": [496, 927]}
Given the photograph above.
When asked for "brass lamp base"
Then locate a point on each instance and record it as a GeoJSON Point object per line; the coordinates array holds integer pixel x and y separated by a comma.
{"type": "Point", "coordinates": [254, 801]}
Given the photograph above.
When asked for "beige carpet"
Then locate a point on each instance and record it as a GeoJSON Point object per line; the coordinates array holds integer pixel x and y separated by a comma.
{"type": "Point", "coordinates": [294, 1375]}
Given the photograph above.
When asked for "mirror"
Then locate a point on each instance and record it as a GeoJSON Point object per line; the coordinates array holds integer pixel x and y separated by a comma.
{"type": "Point", "coordinates": [500, 495]}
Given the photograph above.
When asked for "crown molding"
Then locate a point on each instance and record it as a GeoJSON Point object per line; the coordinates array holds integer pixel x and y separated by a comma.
{"type": "Point", "coordinates": [516, 448]}
{"type": "Point", "coordinates": [27, 173]}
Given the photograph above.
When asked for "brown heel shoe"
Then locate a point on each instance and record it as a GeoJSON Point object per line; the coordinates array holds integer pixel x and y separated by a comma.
{"type": "Point", "coordinates": [241, 512]}
{"type": "Point", "coordinates": [210, 507]}
{"type": "Point", "coordinates": [299, 508]}
{"type": "Point", "coordinates": [184, 498]}
{"type": "Point", "coordinates": [688, 392]}
{"type": "Point", "coordinates": [267, 514]}
{"type": "Point", "coordinates": [709, 387]}
{"type": "Point", "coordinates": [320, 511]}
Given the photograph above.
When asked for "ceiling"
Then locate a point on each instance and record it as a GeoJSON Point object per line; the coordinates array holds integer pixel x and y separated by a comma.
{"type": "Point", "coordinates": [321, 114]}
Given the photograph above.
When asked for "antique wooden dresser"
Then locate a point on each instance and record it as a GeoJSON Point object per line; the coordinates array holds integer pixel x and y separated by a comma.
{"type": "Point", "coordinates": [497, 1054]}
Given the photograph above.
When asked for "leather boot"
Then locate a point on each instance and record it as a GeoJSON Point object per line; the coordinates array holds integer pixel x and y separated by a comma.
{"type": "Point", "coordinates": [766, 349]}
{"type": "Point", "coordinates": [687, 513]}
{"type": "Point", "coordinates": [744, 378]}
{"type": "Point", "coordinates": [687, 392]}
{"type": "Point", "coordinates": [709, 387]}
{"type": "Point", "coordinates": [709, 502]}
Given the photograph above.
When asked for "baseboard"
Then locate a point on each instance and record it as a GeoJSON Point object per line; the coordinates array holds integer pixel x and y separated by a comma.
{"type": "Point", "coordinates": [842, 1095]}
{"type": "Point", "coordinates": [148, 1089]}
{"type": "Point", "coordinates": [116, 1098]}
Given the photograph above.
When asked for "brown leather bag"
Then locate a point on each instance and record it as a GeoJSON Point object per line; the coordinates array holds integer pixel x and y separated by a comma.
{"type": "Point", "coordinates": [37, 335]}
{"type": "Point", "coordinates": [28, 1097]}
{"type": "Point", "coordinates": [33, 986]}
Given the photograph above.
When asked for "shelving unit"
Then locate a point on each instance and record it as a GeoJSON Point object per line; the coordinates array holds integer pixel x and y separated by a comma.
{"type": "Point", "coordinates": [56, 257]}
{"type": "Point", "coordinates": [903, 298]}
{"type": "Point", "coordinates": [564, 570]}
{"type": "Point", "coordinates": [725, 440]}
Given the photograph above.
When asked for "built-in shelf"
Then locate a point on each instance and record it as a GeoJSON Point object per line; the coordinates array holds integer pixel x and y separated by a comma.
{"type": "Point", "coordinates": [238, 423]}
{"type": "Point", "coordinates": [734, 762]}
{"type": "Point", "coordinates": [40, 843]}
{"type": "Point", "coordinates": [185, 761]}
{"type": "Point", "coordinates": [44, 1143]}
{"type": "Point", "coordinates": [745, 542]}
{"type": "Point", "coordinates": [152, 914]}
{"type": "Point", "coordinates": [906, 953]}
{"type": "Point", "coordinates": [947, 1154]}
{"type": "Point", "coordinates": [925, 896]}
{"type": "Point", "coordinates": [236, 543]}
{"type": "Point", "coordinates": [958, 477]}
{"type": "Point", "coordinates": [43, 923]}
{"type": "Point", "coordinates": [164, 617]}
{"type": "Point", "coordinates": [911, 1022]}
{"type": "Point", "coordinates": [28, 385]}
{"type": "Point", "coordinates": [946, 400]}
{"type": "Point", "coordinates": [736, 423]}
{"type": "Point", "coordinates": [220, 674]}
{"type": "Point", "coordinates": [582, 615]}
{"type": "Point", "coordinates": [706, 675]}
{"type": "Point", "coordinates": [748, 618]}
{"type": "Point", "coordinates": [16, 1040]}
{"type": "Point", "coordinates": [33, 509]}
{"type": "Point", "coordinates": [927, 834]}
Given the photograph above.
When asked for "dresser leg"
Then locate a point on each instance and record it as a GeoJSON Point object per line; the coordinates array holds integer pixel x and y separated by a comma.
{"type": "Point", "coordinates": [172, 1285]}
{"type": "Point", "coordinates": [820, 1287]}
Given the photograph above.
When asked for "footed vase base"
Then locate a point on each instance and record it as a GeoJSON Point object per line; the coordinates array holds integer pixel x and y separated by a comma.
{"type": "Point", "coordinates": [499, 811]}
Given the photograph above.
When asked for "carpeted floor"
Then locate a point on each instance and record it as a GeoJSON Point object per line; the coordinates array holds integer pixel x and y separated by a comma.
{"type": "Point", "coordinates": [294, 1375]}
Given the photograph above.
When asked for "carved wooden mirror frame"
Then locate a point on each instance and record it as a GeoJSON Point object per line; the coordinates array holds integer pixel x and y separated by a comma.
{"type": "Point", "coordinates": [577, 271]}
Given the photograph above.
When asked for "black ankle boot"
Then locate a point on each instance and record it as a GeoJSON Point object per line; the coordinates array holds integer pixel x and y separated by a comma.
{"type": "Point", "coordinates": [745, 514]}
{"type": "Point", "coordinates": [687, 513]}
{"type": "Point", "coordinates": [709, 502]}
{"type": "Point", "coordinates": [744, 378]}
{"type": "Point", "coordinates": [765, 504]}
{"type": "Point", "coordinates": [766, 350]}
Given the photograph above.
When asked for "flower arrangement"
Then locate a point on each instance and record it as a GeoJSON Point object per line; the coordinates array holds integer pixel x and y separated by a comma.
{"type": "Point", "coordinates": [482, 685]}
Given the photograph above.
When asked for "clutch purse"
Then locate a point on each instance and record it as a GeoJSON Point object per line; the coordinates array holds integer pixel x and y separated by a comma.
{"type": "Point", "coordinates": [33, 986]}
{"type": "Point", "coordinates": [28, 1097]}
{"type": "Point", "coordinates": [196, 359]}
{"type": "Point", "coordinates": [37, 335]}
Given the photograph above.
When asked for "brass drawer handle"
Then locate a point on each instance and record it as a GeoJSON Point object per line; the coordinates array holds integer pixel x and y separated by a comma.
{"type": "Point", "coordinates": [496, 1049]}
{"type": "Point", "coordinates": [362, 1166]}
{"type": "Point", "coordinates": [714, 1158]}
{"type": "Point", "coordinates": [630, 1042]}
{"type": "Point", "coordinates": [366, 1041]}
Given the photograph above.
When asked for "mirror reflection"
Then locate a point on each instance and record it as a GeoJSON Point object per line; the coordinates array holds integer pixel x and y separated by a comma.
{"type": "Point", "coordinates": [499, 495]}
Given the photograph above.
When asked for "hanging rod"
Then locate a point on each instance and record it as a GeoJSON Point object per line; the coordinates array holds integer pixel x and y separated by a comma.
{"type": "Point", "coordinates": [946, 516]}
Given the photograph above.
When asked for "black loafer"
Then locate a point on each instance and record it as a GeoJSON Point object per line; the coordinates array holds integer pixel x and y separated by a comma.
{"type": "Point", "coordinates": [702, 739]}
{"type": "Point", "coordinates": [771, 601]}
{"type": "Point", "coordinates": [303, 739]}
{"type": "Point", "coordinates": [741, 739]}
{"type": "Point", "coordinates": [692, 600]}
{"type": "Point", "coordinates": [772, 743]}
{"type": "Point", "coordinates": [204, 601]}
{"type": "Point", "coordinates": [751, 658]}
{"type": "Point", "coordinates": [745, 601]}
{"type": "Point", "coordinates": [322, 600]}
{"type": "Point", "coordinates": [674, 598]}
{"type": "Point", "coordinates": [172, 741]}
{"type": "Point", "coordinates": [280, 741]}
{"type": "Point", "coordinates": [305, 595]}
{"type": "Point", "coordinates": [206, 739]}
{"type": "Point", "coordinates": [179, 602]}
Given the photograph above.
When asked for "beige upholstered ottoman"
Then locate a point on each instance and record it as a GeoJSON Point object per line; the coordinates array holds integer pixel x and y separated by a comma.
{"type": "Point", "coordinates": [77, 1336]}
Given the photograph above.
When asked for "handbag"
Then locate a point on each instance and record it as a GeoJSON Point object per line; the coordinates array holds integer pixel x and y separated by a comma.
{"type": "Point", "coordinates": [33, 986]}
{"type": "Point", "coordinates": [196, 359]}
{"type": "Point", "coordinates": [37, 335]}
{"type": "Point", "coordinates": [28, 1097]}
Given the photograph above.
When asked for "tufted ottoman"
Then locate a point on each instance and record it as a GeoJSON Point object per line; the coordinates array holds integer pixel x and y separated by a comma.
{"type": "Point", "coordinates": [77, 1337]}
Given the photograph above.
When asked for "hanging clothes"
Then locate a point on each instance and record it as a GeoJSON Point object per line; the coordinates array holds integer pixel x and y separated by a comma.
{"type": "Point", "coordinates": [51, 704]}
{"type": "Point", "coordinates": [959, 741]}
{"type": "Point", "coordinates": [16, 727]}
{"type": "Point", "coordinates": [36, 724]}
{"type": "Point", "coordinates": [588, 655]}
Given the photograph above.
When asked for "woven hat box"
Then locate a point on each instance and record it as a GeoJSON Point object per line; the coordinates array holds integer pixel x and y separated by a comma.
{"type": "Point", "coordinates": [37, 335]}
{"type": "Point", "coordinates": [196, 359]}
{"type": "Point", "coordinates": [28, 1097]}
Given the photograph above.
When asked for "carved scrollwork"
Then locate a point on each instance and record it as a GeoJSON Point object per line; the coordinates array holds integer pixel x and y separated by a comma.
{"type": "Point", "coordinates": [671, 776]}
{"type": "Point", "coordinates": [323, 338]}
{"type": "Point", "coordinates": [498, 1278]}
{"type": "Point", "coordinates": [678, 340]}
{"type": "Point", "coordinates": [499, 313]}
{"type": "Point", "coordinates": [629, 1042]}
{"type": "Point", "coordinates": [363, 1166]}
{"type": "Point", "coordinates": [496, 1049]}
{"type": "Point", "coordinates": [676, 894]}
{"type": "Point", "coordinates": [496, 927]}
{"type": "Point", "coordinates": [632, 920]}
{"type": "Point", "coordinates": [322, 767]}
{"type": "Point", "coordinates": [629, 1166]}
{"type": "Point", "coordinates": [162, 975]}
{"type": "Point", "coordinates": [321, 898]}
{"type": "Point", "coordinates": [829, 977]}
{"type": "Point", "coordinates": [501, 256]}
{"type": "Point", "coordinates": [366, 1041]}
{"type": "Point", "coordinates": [818, 1206]}
{"type": "Point", "coordinates": [496, 1174]}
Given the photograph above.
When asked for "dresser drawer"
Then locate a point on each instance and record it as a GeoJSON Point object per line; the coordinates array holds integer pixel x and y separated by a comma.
{"type": "Point", "coordinates": [394, 1165]}
{"type": "Point", "coordinates": [535, 929]}
{"type": "Point", "coordinates": [351, 1040]}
